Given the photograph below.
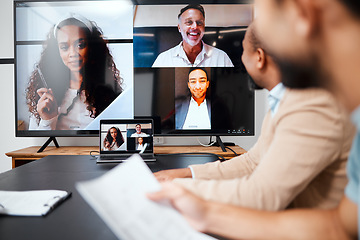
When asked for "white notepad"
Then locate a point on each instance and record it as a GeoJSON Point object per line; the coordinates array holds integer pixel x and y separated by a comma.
{"type": "Point", "coordinates": [30, 203]}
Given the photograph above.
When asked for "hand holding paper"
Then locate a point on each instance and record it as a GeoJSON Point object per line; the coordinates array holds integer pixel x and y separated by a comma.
{"type": "Point", "coordinates": [119, 197]}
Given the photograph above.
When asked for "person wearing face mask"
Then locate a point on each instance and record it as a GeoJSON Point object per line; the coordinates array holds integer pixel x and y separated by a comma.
{"type": "Point", "coordinates": [192, 51]}
{"type": "Point", "coordinates": [76, 70]}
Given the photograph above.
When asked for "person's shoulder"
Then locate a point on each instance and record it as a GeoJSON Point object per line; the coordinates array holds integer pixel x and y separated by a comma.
{"type": "Point", "coordinates": [170, 51]}
{"type": "Point", "coordinates": [182, 100]}
{"type": "Point", "coordinates": [165, 57]}
{"type": "Point", "coordinates": [182, 105]}
{"type": "Point", "coordinates": [309, 96]}
{"type": "Point", "coordinates": [208, 48]}
{"type": "Point", "coordinates": [223, 60]}
{"type": "Point", "coordinates": [312, 99]}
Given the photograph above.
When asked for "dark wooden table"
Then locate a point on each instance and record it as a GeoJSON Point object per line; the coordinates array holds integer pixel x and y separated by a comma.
{"type": "Point", "coordinates": [74, 218]}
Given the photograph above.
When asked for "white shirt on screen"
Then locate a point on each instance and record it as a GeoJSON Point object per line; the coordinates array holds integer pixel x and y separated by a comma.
{"type": "Point", "coordinates": [73, 114]}
{"type": "Point", "coordinates": [141, 148]}
{"type": "Point", "coordinates": [197, 116]}
{"type": "Point", "coordinates": [208, 57]}
{"type": "Point", "coordinates": [141, 134]}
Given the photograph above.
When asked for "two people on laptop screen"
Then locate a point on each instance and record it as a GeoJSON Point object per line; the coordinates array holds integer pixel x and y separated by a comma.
{"type": "Point", "coordinates": [141, 144]}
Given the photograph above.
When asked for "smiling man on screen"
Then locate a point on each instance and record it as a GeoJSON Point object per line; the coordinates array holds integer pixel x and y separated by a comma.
{"type": "Point", "coordinates": [192, 51]}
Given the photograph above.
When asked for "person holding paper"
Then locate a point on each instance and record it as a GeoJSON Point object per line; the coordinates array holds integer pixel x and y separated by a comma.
{"type": "Point", "coordinates": [305, 37]}
{"type": "Point", "coordinates": [298, 119]}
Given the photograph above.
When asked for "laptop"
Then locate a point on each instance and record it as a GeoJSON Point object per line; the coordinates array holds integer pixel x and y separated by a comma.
{"type": "Point", "coordinates": [121, 138]}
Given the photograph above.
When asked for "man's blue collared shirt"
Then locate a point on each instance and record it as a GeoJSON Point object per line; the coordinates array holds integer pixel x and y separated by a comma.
{"type": "Point", "coordinates": [275, 96]}
{"type": "Point", "coordinates": [352, 190]}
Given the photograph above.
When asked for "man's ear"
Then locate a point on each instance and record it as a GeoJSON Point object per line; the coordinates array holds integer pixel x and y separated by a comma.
{"type": "Point", "coordinates": [308, 14]}
{"type": "Point", "coordinates": [260, 58]}
{"type": "Point", "coordinates": [179, 29]}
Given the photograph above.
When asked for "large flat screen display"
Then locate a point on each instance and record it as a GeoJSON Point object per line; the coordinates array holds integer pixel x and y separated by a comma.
{"type": "Point", "coordinates": [77, 62]}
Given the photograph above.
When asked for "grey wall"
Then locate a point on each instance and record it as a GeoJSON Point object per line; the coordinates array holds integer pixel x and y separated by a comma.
{"type": "Point", "coordinates": [7, 121]}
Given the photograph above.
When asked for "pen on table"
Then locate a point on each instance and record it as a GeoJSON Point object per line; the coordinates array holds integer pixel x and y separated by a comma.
{"type": "Point", "coordinates": [2, 206]}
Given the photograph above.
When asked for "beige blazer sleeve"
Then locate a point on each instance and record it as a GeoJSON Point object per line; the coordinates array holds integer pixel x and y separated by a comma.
{"type": "Point", "coordinates": [309, 137]}
{"type": "Point", "coordinates": [238, 167]}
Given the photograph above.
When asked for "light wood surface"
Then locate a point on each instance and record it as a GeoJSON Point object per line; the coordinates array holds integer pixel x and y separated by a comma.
{"type": "Point", "coordinates": [25, 155]}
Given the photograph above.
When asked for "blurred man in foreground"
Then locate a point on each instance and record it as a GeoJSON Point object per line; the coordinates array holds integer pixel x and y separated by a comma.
{"type": "Point", "coordinates": [317, 43]}
{"type": "Point", "coordinates": [305, 141]}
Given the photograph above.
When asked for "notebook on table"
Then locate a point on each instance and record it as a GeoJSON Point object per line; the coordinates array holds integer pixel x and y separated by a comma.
{"type": "Point", "coordinates": [121, 138]}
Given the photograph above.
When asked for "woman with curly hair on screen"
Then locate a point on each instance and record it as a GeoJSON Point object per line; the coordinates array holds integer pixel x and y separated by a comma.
{"type": "Point", "coordinates": [75, 79]}
{"type": "Point", "coordinates": [113, 139]}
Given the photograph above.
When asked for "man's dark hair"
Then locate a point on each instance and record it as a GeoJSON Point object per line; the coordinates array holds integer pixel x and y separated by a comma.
{"type": "Point", "coordinates": [192, 6]}
{"type": "Point", "coordinates": [255, 44]}
{"type": "Point", "coordinates": [254, 38]}
{"type": "Point", "coordinates": [300, 75]}
{"type": "Point", "coordinates": [199, 68]}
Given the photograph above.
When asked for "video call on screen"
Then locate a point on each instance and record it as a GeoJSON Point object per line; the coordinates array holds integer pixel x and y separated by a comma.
{"type": "Point", "coordinates": [134, 45]}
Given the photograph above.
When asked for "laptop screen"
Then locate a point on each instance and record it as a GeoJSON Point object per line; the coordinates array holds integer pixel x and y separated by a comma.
{"type": "Point", "coordinates": [126, 136]}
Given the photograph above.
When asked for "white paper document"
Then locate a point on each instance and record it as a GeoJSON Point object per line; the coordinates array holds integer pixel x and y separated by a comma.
{"type": "Point", "coordinates": [30, 203]}
{"type": "Point", "coordinates": [119, 198]}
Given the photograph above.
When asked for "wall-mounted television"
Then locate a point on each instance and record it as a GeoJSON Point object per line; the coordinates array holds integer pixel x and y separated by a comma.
{"type": "Point", "coordinates": [77, 62]}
